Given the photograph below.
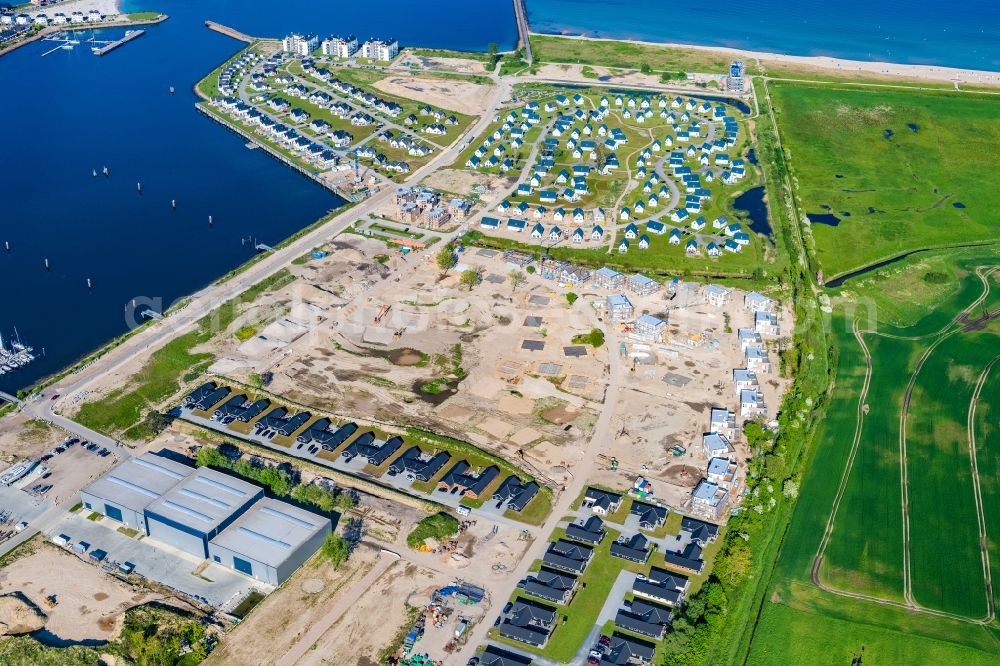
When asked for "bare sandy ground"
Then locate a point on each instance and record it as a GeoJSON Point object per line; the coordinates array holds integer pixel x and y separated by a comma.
{"type": "Point", "coordinates": [462, 96]}
{"type": "Point", "coordinates": [922, 72]}
{"type": "Point", "coordinates": [574, 74]}
{"type": "Point", "coordinates": [375, 618]}
{"type": "Point", "coordinates": [90, 604]}
{"type": "Point", "coordinates": [459, 65]}
{"type": "Point", "coordinates": [278, 622]}
{"type": "Point", "coordinates": [106, 7]}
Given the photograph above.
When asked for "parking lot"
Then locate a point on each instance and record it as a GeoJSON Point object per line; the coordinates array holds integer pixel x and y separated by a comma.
{"type": "Point", "coordinates": [208, 582]}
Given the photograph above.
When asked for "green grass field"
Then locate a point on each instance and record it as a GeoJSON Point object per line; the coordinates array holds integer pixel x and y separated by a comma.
{"type": "Point", "coordinates": [987, 432]}
{"type": "Point", "coordinates": [607, 53]}
{"type": "Point", "coordinates": [865, 553]}
{"type": "Point", "coordinates": [802, 623]}
{"type": "Point", "coordinates": [899, 189]}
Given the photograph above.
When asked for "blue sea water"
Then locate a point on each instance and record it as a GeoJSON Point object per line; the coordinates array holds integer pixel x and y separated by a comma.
{"type": "Point", "coordinates": [69, 112]}
{"type": "Point", "coordinates": [962, 33]}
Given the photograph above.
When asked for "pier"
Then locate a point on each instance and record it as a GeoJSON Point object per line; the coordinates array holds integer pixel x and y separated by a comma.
{"type": "Point", "coordinates": [521, 14]}
{"type": "Point", "coordinates": [229, 32]}
{"type": "Point", "coordinates": [111, 46]}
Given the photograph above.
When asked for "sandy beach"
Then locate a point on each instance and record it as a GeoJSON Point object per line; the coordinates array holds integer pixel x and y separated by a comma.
{"type": "Point", "coordinates": [886, 70]}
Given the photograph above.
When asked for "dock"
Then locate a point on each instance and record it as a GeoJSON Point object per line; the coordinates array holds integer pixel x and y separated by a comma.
{"type": "Point", "coordinates": [107, 48]}
{"type": "Point", "coordinates": [229, 32]}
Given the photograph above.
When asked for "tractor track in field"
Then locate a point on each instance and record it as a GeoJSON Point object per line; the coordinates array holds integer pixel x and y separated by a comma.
{"type": "Point", "coordinates": [980, 514]}
{"type": "Point", "coordinates": [909, 603]}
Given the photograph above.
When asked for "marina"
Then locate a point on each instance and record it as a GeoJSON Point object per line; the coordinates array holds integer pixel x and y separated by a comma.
{"type": "Point", "coordinates": [67, 41]}
{"type": "Point", "coordinates": [16, 357]}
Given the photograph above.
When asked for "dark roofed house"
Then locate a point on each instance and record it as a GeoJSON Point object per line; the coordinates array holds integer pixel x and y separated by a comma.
{"type": "Point", "coordinates": [600, 501]}
{"type": "Point", "coordinates": [650, 515]}
{"type": "Point", "coordinates": [421, 465]}
{"type": "Point", "coordinates": [591, 531]}
{"type": "Point", "coordinates": [635, 549]}
{"type": "Point", "coordinates": [459, 478]}
{"type": "Point", "coordinates": [210, 398]}
{"type": "Point", "coordinates": [688, 559]}
{"type": "Point", "coordinates": [626, 651]}
{"type": "Point", "coordinates": [529, 622]}
{"type": "Point", "coordinates": [702, 532]}
{"type": "Point", "coordinates": [199, 393]}
{"type": "Point", "coordinates": [376, 451]}
{"type": "Point", "coordinates": [494, 656]}
{"type": "Point", "coordinates": [516, 493]}
{"type": "Point", "coordinates": [568, 556]}
{"type": "Point", "coordinates": [550, 585]}
{"type": "Point", "coordinates": [645, 618]}
{"type": "Point", "coordinates": [662, 586]}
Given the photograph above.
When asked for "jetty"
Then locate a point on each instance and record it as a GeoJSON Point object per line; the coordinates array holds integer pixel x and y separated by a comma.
{"type": "Point", "coordinates": [229, 32]}
{"type": "Point", "coordinates": [521, 14]}
{"type": "Point", "coordinates": [111, 46]}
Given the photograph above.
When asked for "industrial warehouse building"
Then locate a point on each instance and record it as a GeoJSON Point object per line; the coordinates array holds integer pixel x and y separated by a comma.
{"type": "Point", "coordinates": [125, 491]}
{"type": "Point", "coordinates": [194, 511]}
{"type": "Point", "coordinates": [208, 515]}
{"type": "Point", "coordinates": [270, 541]}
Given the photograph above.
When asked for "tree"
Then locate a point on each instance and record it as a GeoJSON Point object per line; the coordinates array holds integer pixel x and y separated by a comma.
{"type": "Point", "coordinates": [444, 259]}
{"type": "Point", "coordinates": [208, 456]}
{"type": "Point", "coordinates": [336, 548]}
{"type": "Point", "coordinates": [734, 563]}
{"type": "Point", "coordinates": [517, 278]}
{"type": "Point", "coordinates": [530, 270]}
{"type": "Point", "coordinates": [571, 297]}
{"type": "Point", "coordinates": [646, 69]}
{"type": "Point", "coordinates": [469, 278]}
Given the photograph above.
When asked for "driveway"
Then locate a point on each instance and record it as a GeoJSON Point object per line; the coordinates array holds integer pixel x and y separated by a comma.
{"type": "Point", "coordinates": [215, 585]}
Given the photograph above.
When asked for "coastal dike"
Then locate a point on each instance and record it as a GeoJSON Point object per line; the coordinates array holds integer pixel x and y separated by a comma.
{"type": "Point", "coordinates": [252, 139]}
{"type": "Point", "coordinates": [230, 32]}
{"type": "Point", "coordinates": [49, 30]}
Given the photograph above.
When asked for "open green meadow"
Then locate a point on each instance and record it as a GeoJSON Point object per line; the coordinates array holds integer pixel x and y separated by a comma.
{"type": "Point", "coordinates": [801, 622]}
{"type": "Point", "coordinates": [610, 53]}
{"type": "Point", "coordinates": [901, 170]}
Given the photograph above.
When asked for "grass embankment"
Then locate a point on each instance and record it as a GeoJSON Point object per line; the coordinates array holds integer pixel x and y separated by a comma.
{"type": "Point", "coordinates": [892, 166]}
{"type": "Point", "coordinates": [662, 261]}
{"type": "Point", "coordinates": [440, 527]}
{"type": "Point", "coordinates": [122, 411]}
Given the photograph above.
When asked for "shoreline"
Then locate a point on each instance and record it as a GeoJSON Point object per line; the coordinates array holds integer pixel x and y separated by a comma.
{"type": "Point", "coordinates": [923, 72]}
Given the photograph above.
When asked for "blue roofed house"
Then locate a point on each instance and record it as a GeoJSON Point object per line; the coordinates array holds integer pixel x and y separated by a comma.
{"type": "Point", "coordinates": [623, 246]}
{"type": "Point", "coordinates": [644, 242]}
{"type": "Point", "coordinates": [547, 196]}
{"type": "Point", "coordinates": [631, 231]}
{"type": "Point", "coordinates": [713, 250]}
{"type": "Point", "coordinates": [578, 235]}
{"type": "Point", "coordinates": [691, 247]}
{"type": "Point", "coordinates": [489, 223]}
{"type": "Point", "coordinates": [537, 231]}
{"type": "Point", "coordinates": [655, 227]}
{"type": "Point", "coordinates": [597, 233]}
{"type": "Point", "coordinates": [733, 246]}
{"type": "Point", "coordinates": [555, 233]}
{"type": "Point", "coordinates": [516, 225]}
{"type": "Point", "coordinates": [698, 223]}
{"type": "Point", "coordinates": [675, 237]}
